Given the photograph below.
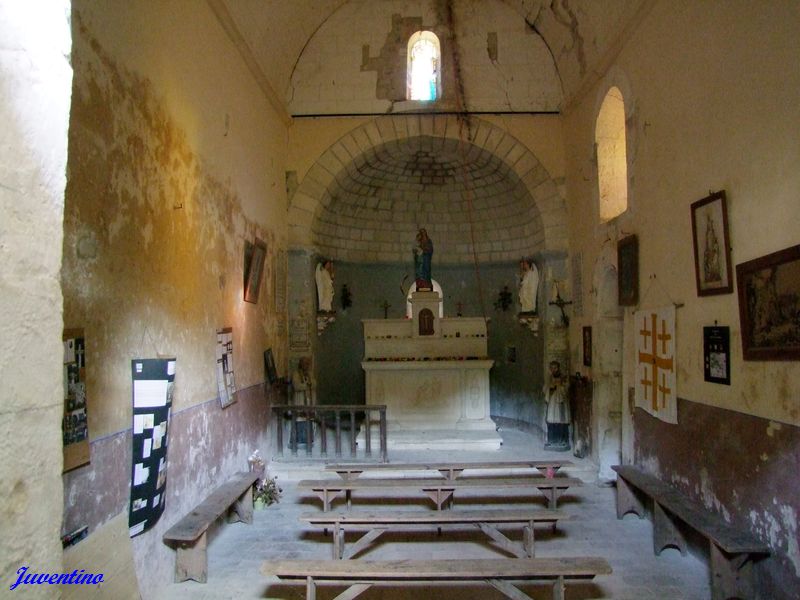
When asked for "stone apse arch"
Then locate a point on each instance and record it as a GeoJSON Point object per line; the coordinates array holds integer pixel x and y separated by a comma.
{"type": "Point", "coordinates": [518, 195]}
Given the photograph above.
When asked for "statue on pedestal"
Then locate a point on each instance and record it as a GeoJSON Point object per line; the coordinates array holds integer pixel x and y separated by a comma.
{"type": "Point", "coordinates": [528, 285]}
{"type": "Point", "coordinates": [423, 255]}
{"type": "Point", "coordinates": [557, 415]}
{"type": "Point", "coordinates": [324, 279]}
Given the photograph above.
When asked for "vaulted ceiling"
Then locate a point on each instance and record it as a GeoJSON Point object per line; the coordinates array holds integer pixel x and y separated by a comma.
{"type": "Point", "coordinates": [578, 34]}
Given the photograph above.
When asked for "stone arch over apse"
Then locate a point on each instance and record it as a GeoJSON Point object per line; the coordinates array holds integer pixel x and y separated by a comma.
{"type": "Point", "coordinates": [541, 228]}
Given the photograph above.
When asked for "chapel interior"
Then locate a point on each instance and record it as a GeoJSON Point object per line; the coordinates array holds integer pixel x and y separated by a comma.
{"type": "Point", "coordinates": [175, 174]}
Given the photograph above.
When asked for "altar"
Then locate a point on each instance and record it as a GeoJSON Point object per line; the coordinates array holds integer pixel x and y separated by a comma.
{"type": "Point", "coordinates": [432, 373]}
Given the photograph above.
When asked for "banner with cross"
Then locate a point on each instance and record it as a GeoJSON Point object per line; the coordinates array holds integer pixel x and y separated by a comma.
{"type": "Point", "coordinates": [655, 363]}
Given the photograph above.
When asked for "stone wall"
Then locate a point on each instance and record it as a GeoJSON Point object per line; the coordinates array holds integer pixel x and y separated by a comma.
{"type": "Point", "coordinates": [175, 161]}
{"type": "Point", "coordinates": [35, 83]}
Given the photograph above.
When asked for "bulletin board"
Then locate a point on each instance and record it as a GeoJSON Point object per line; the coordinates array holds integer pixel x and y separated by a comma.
{"type": "Point", "coordinates": [153, 385]}
{"type": "Point", "coordinates": [74, 425]}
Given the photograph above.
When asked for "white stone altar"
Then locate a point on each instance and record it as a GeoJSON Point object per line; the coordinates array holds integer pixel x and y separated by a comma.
{"type": "Point", "coordinates": [432, 374]}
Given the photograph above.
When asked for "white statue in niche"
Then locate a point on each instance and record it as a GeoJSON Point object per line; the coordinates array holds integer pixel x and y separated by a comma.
{"type": "Point", "coordinates": [324, 279]}
{"type": "Point", "coordinates": [528, 285]}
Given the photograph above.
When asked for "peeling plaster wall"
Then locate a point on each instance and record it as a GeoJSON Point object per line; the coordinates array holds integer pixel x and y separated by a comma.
{"type": "Point", "coordinates": [710, 104]}
{"type": "Point", "coordinates": [175, 159]}
{"type": "Point", "coordinates": [741, 467]}
{"type": "Point", "coordinates": [356, 61]}
{"type": "Point", "coordinates": [35, 84]}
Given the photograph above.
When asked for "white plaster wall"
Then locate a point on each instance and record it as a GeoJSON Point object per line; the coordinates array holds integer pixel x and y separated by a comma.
{"type": "Point", "coordinates": [711, 104]}
{"type": "Point", "coordinates": [35, 84]}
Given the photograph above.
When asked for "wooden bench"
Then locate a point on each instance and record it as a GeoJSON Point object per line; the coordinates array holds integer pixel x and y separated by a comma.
{"type": "Point", "coordinates": [189, 534]}
{"type": "Point", "coordinates": [378, 523]}
{"type": "Point", "coordinates": [449, 470]}
{"type": "Point", "coordinates": [439, 490]}
{"type": "Point", "coordinates": [500, 573]}
{"type": "Point", "coordinates": [731, 551]}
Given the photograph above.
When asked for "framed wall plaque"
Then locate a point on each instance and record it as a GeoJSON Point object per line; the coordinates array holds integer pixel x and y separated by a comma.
{"type": "Point", "coordinates": [712, 250]}
{"type": "Point", "coordinates": [628, 271]}
{"type": "Point", "coordinates": [717, 354]}
{"type": "Point", "coordinates": [254, 256]}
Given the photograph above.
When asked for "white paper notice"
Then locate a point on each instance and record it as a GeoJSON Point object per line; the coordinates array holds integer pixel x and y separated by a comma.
{"type": "Point", "coordinates": [148, 444]}
{"type": "Point", "coordinates": [138, 423]}
{"type": "Point", "coordinates": [140, 474]}
{"type": "Point", "coordinates": [69, 351]}
{"type": "Point", "coordinates": [171, 367]}
{"type": "Point", "coordinates": [149, 392]}
{"type": "Point", "coordinates": [136, 529]}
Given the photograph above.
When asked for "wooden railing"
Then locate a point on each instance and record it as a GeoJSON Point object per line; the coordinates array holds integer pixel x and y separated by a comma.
{"type": "Point", "coordinates": [324, 415]}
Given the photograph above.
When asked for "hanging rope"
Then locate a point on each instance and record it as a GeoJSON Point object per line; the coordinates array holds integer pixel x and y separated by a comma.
{"type": "Point", "coordinates": [465, 137]}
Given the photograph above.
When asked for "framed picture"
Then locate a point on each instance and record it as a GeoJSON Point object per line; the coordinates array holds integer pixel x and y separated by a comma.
{"type": "Point", "coordinates": [254, 255]}
{"type": "Point", "coordinates": [769, 302]}
{"type": "Point", "coordinates": [270, 371]}
{"type": "Point", "coordinates": [717, 354]}
{"type": "Point", "coordinates": [226, 381]}
{"type": "Point", "coordinates": [712, 249]}
{"type": "Point", "coordinates": [587, 346]}
{"type": "Point", "coordinates": [628, 271]}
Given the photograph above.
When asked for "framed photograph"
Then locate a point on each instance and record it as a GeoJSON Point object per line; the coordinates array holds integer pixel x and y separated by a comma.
{"type": "Point", "coordinates": [769, 302]}
{"type": "Point", "coordinates": [587, 346]}
{"type": "Point", "coordinates": [628, 271]}
{"type": "Point", "coordinates": [717, 354]}
{"type": "Point", "coordinates": [712, 248]}
{"type": "Point", "coordinates": [254, 256]}
{"type": "Point", "coordinates": [270, 371]}
{"type": "Point", "coordinates": [226, 381]}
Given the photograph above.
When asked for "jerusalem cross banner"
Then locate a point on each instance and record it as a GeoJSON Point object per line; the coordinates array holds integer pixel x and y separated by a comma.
{"type": "Point", "coordinates": [655, 363]}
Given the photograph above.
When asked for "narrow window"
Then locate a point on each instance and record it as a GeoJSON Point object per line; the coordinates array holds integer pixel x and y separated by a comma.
{"type": "Point", "coordinates": [424, 60]}
{"type": "Point", "coordinates": [612, 161]}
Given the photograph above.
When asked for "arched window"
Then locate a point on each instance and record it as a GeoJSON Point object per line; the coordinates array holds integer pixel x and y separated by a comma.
{"type": "Point", "coordinates": [423, 66]}
{"type": "Point", "coordinates": [612, 160]}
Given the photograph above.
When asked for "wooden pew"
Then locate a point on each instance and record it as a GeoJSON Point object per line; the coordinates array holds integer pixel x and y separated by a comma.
{"type": "Point", "coordinates": [360, 575]}
{"type": "Point", "coordinates": [438, 490]}
{"type": "Point", "coordinates": [189, 534]}
{"type": "Point", "coordinates": [731, 550]}
{"type": "Point", "coordinates": [449, 470]}
{"type": "Point", "coordinates": [377, 523]}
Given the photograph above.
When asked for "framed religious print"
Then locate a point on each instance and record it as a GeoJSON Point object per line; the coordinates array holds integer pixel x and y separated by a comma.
{"type": "Point", "coordinates": [254, 255]}
{"type": "Point", "coordinates": [769, 305]}
{"type": "Point", "coordinates": [712, 250]}
{"type": "Point", "coordinates": [628, 271]}
{"type": "Point", "coordinates": [717, 354]}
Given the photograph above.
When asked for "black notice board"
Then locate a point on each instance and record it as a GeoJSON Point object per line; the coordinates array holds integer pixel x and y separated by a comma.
{"type": "Point", "coordinates": [153, 385]}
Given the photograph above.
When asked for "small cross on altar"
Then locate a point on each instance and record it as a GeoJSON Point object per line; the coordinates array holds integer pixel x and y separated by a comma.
{"type": "Point", "coordinates": [385, 306]}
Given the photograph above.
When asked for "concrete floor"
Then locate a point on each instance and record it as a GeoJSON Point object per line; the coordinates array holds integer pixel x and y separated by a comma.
{"type": "Point", "coordinates": [236, 552]}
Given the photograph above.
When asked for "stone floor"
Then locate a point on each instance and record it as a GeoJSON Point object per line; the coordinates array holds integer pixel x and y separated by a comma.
{"type": "Point", "coordinates": [237, 551]}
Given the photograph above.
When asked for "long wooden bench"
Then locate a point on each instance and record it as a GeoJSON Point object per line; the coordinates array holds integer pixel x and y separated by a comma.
{"type": "Point", "coordinates": [377, 523]}
{"type": "Point", "coordinates": [731, 551]}
{"type": "Point", "coordinates": [449, 470]}
{"type": "Point", "coordinates": [501, 573]}
{"type": "Point", "coordinates": [189, 534]}
{"type": "Point", "coordinates": [439, 490]}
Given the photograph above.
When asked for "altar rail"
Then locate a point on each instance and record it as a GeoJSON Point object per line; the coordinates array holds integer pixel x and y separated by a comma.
{"type": "Point", "coordinates": [325, 415]}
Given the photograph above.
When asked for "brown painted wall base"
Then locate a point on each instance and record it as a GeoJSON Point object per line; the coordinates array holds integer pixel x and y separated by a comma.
{"type": "Point", "coordinates": [745, 468]}
{"type": "Point", "coordinates": [206, 446]}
